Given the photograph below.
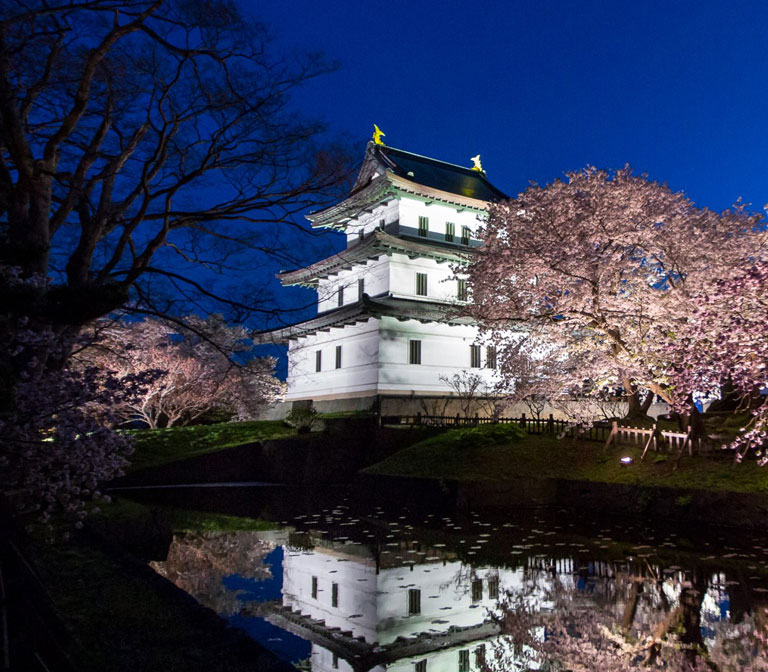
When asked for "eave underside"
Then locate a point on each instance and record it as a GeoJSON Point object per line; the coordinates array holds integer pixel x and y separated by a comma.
{"type": "Point", "coordinates": [367, 308]}
{"type": "Point", "coordinates": [372, 247]}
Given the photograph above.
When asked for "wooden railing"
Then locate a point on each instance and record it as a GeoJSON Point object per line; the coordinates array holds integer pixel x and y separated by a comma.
{"type": "Point", "coordinates": [548, 425]}
{"type": "Point", "coordinates": [658, 439]}
{"type": "Point", "coordinates": [604, 432]}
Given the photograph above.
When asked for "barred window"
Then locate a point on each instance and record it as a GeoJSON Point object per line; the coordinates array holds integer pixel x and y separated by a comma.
{"type": "Point", "coordinates": [414, 352]}
{"type": "Point", "coordinates": [341, 296]}
{"type": "Point", "coordinates": [465, 235]}
{"type": "Point", "coordinates": [414, 601]}
{"type": "Point", "coordinates": [334, 594]}
{"type": "Point", "coordinates": [338, 356]}
{"type": "Point", "coordinates": [423, 226]}
{"type": "Point", "coordinates": [421, 666]}
{"type": "Point", "coordinates": [360, 288]}
{"type": "Point", "coordinates": [477, 590]}
{"type": "Point", "coordinates": [493, 588]}
{"type": "Point", "coordinates": [314, 587]}
{"type": "Point", "coordinates": [318, 360]}
{"type": "Point", "coordinates": [421, 284]}
{"type": "Point", "coordinates": [474, 356]}
{"type": "Point", "coordinates": [464, 660]}
{"type": "Point", "coordinates": [490, 357]}
{"type": "Point", "coordinates": [461, 290]}
{"type": "Point", "coordinates": [450, 231]}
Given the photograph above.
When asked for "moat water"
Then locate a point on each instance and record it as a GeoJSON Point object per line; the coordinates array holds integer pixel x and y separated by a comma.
{"type": "Point", "coordinates": [343, 584]}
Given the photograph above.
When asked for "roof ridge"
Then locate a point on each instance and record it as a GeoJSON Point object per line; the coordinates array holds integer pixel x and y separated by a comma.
{"type": "Point", "coordinates": [429, 158]}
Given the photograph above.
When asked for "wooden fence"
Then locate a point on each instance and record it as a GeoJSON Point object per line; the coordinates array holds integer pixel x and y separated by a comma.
{"type": "Point", "coordinates": [548, 425]}
{"type": "Point", "coordinates": [604, 432]}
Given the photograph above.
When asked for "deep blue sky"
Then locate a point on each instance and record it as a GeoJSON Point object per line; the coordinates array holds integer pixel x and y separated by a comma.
{"type": "Point", "coordinates": [677, 89]}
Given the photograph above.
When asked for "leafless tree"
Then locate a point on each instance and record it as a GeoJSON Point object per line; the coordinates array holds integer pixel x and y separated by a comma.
{"type": "Point", "coordinates": [141, 140]}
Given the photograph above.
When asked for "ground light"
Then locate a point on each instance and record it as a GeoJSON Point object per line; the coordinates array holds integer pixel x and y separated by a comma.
{"type": "Point", "coordinates": [626, 460]}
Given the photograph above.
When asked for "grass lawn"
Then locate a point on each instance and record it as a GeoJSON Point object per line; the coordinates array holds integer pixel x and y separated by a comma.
{"type": "Point", "coordinates": [459, 455]}
{"type": "Point", "coordinates": [161, 446]}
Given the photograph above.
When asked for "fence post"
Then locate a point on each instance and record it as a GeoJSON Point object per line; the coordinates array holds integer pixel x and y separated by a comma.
{"type": "Point", "coordinates": [458, 419]}
{"type": "Point", "coordinates": [522, 420]}
{"type": "Point", "coordinates": [418, 418]}
{"type": "Point", "coordinates": [551, 424]}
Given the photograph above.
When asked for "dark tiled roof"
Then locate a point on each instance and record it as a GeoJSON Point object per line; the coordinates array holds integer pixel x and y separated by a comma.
{"type": "Point", "coordinates": [440, 175]}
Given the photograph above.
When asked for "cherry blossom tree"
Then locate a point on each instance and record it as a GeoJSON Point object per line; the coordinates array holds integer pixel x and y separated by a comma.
{"type": "Point", "coordinates": [55, 425]}
{"type": "Point", "coordinates": [190, 370]}
{"type": "Point", "coordinates": [602, 267]}
{"type": "Point", "coordinates": [723, 339]}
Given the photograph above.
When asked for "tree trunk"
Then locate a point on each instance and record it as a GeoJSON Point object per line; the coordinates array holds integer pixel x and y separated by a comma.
{"type": "Point", "coordinates": [636, 410]}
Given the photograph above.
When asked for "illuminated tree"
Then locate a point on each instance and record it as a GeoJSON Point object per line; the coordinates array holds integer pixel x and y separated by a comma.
{"type": "Point", "coordinates": [603, 267]}
{"type": "Point", "coordinates": [187, 372]}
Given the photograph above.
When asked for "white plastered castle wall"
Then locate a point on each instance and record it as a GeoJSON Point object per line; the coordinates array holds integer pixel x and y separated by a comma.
{"type": "Point", "coordinates": [376, 276]}
{"type": "Point", "coordinates": [375, 359]}
{"type": "Point", "coordinates": [445, 351]}
{"type": "Point", "coordinates": [358, 374]}
{"type": "Point", "coordinates": [375, 356]}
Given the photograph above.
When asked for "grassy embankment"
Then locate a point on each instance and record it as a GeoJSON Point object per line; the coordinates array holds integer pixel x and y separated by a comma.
{"type": "Point", "coordinates": [499, 452]}
{"type": "Point", "coordinates": [161, 446]}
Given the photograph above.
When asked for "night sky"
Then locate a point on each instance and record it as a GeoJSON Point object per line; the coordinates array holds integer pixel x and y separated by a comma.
{"type": "Point", "coordinates": [678, 90]}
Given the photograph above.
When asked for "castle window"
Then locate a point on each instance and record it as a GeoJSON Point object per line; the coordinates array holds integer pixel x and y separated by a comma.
{"type": "Point", "coordinates": [414, 601]}
{"type": "Point", "coordinates": [421, 666]}
{"type": "Point", "coordinates": [465, 235]}
{"type": "Point", "coordinates": [318, 360]}
{"type": "Point", "coordinates": [423, 226]}
{"type": "Point", "coordinates": [341, 296]}
{"type": "Point", "coordinates": [490, 357]}
{"type": "Point", "coordinates": [334, 594]}
{"type": "Point", "coordinates": [314, 587]}
{"type": "Point", "coordinates": [450, 231]}
{"type": "Point", "coordinates": [338, 356]}
{"type": "Point", "coordinates": [493, 588]}
{"type": "Point", "coordinates": [360, 288]}
{"type": "Point", "coordinates": [335, 661]}
{"type": "Point", "coordinates": [414, 352]}
{"type": "Point", "coordinates": [421, 284]}
{"type": "Point", "coordinates": [474, 356]}
{"type": "Point", "coordinates": [477, 590]}
{"type": "Point", "coordinates": [360, 234]}
{"type": "Point", "coordinates": [461, 290]}
{"type": "Point", "coordinates": [382, 222]}
{"type": "Point", "coordinates": [464, 660]}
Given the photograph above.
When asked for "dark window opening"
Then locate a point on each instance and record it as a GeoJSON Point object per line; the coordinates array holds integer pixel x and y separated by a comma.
{"type": "Point", "coordinates": [421, 284]}
{"type": "Point", "coordinates": [450, 231]}
{"type": "Point", "coordinates": [461, 290]}
{"type": "Point", "coordinates": [474, 356]}
{"type": "Point", "coordinates": [414, 601]}
{"type": "Point", "coordinates": [414, 352]}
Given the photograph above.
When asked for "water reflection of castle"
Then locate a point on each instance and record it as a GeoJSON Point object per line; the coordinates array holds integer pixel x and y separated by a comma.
{"type": "Point", "coordinates": [413, 606]}
{"type": "Point", "coordinates": [406, 607]}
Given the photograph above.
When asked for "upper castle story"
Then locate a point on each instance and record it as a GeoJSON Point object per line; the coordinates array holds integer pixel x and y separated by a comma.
{"type": "Point", "coordinates": [408, 220]}
{"type": "Point", "coordinates": [410, 195]}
